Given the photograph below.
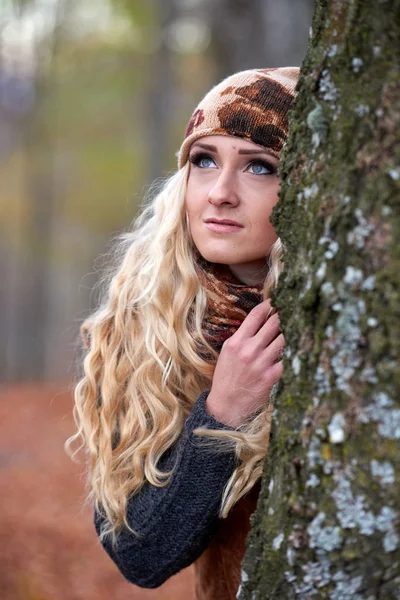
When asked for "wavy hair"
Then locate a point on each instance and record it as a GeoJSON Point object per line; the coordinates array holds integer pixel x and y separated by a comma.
{"type": "Point", "coordinates": [142, 371]}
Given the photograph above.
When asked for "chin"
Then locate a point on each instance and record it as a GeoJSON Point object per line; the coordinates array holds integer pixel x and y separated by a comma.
{"type": "Point", "coordinates": [222, 257]}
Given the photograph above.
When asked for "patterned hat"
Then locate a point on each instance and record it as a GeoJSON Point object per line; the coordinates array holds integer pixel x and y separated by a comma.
{"type": "Point", "coordinates": [251, 104]}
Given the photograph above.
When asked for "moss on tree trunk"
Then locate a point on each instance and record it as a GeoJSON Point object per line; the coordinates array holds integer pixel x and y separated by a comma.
{"type": "Point", "coordinates": [327, 523]}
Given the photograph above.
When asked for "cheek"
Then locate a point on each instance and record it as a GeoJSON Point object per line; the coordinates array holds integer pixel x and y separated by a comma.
{"type": "Point", "coordinates": [195, 204]}
{"type": "Point", "coordinates": [191, 198]}
{"type": "Point", "coordinates": [261, 214]}
{"type": "Point", "coordinates": [264, 230]}
{"type": "Point", "coordinates": [193, 213]}
{"type": "Point", "coordinates": [189, 204]}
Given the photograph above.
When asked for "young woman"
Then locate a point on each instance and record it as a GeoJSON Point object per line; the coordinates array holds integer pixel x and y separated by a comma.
{"type": "Point", "coordinates": [173, 407]}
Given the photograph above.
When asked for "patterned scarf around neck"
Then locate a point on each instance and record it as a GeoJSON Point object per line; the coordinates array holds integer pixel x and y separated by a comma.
{"type": "Point", "coordinates": [229, 301]}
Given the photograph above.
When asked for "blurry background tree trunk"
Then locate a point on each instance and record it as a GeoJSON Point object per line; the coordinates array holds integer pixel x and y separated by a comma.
{"type": "Point", "coordinates": [327, 524]}
{"type": "Point", "coordinates": [28, 283]}
{"type": "Point", "coordinates": [160, 96]}
{"type": "Point", "coordinates": [252, 35]}
{"type": "Point", "coordinates": [238, 34]}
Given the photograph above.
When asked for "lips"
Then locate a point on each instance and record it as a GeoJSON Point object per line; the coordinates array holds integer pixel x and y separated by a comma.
{"type": "Point", "coordinates": [223, 225]}
{"type": "Point", "coordinates": [223, 222]}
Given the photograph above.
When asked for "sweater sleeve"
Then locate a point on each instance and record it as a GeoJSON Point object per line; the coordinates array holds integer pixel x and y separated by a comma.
{"type": "Point", "coordinates": [175, 523]}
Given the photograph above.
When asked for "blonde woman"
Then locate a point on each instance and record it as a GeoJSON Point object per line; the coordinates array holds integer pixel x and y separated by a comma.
{"type": "Point", "coordinates": [173, 406]}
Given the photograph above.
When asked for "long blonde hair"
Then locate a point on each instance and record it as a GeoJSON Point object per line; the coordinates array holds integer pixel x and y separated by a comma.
{"type": "Point", "coordinates": [142, 371]}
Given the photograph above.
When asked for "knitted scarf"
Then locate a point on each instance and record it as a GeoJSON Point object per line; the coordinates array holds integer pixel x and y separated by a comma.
{"type": "Point", "coordinates": [229, 301]}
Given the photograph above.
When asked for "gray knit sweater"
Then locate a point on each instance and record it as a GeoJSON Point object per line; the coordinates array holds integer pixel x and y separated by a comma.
{"type": "Point", "coordinates": [175, 522]}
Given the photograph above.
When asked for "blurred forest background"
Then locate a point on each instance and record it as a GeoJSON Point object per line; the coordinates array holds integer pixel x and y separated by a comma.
{"type": "Point", "coordinates": [94, 99]}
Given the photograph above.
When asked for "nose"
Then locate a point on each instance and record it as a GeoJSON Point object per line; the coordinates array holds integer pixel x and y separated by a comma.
{"type": "Point", "coordinates": [224, 189]}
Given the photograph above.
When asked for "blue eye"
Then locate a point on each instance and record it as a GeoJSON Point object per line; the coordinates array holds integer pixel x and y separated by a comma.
{"type": "Point", "coordinates": [203, 161]}
{"type": "Point", "coordinates": [260, 167]}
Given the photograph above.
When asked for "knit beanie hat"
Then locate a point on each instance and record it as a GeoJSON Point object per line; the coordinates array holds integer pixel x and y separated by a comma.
{"type": "Point", "coordinates": [251, 104]}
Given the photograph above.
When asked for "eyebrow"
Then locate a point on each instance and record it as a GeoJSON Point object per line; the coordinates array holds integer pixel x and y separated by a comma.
{"type": "Point", "coordinates": [205, 146]}
{"type": "Point", "coordinates": [242, 151]}
{"type": "Point", "coordinates": [252, 152]}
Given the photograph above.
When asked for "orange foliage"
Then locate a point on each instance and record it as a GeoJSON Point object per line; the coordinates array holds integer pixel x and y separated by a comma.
{"type": "Point", "coordinates": [48, 545]}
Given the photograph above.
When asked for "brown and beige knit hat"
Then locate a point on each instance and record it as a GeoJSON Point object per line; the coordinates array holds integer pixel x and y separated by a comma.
{"type": "Point", "coordinates": [251, 104]}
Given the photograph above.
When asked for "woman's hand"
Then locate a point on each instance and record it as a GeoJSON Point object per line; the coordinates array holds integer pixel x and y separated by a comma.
{"type": "Point", "coordinates": [247, 367]}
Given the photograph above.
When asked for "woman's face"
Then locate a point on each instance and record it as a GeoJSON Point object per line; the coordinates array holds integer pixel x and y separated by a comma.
{"type": "Point", "coordinates": [232, 188]}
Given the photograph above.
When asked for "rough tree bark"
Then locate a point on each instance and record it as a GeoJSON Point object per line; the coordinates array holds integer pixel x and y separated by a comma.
{"type": "Point", "coordinates": [327, 523]}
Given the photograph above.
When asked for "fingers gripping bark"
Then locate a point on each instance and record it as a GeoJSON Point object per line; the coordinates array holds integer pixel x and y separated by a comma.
{"type": "Point", "coordinates": [247, 367]}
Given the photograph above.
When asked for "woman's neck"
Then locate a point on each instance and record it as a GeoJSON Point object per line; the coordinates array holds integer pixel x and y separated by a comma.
{"type": "Point", "coordinates": [250, 274]}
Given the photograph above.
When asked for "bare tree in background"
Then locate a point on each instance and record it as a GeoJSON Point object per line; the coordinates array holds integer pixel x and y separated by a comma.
{"type": "Point", "coordinates": [160, 96]}
{"type": "Point", "coordinates": [28, 283]}
{"type": "Point", "coordinates": [155, 98]}
{"type": "Point", "coordinates": [286, 24]}
{"type": "Point", "coordinates": [237, 34]}
{"type": "Point", "coordinates": [263, 33]}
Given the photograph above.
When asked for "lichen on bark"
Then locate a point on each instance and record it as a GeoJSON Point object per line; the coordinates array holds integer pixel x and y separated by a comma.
{"type": "Point", "coordinates": [327, 522]}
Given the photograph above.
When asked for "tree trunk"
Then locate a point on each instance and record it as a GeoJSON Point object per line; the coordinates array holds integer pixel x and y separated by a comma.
{"type": "Point", "coordinates": [33, 263]}
{"type": "Point", "coordinates": [160, 97]}
{"type": "Point", "coordinates": [232, 25]}
{"type": "Point", "coordinates": [327, 523]}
